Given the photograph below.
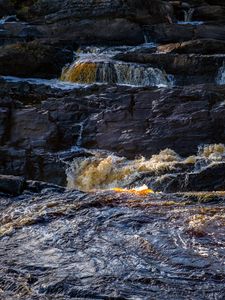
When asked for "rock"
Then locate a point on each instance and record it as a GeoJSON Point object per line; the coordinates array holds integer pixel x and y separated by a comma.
{"type": "Point", "coordinates": [33, 59]}
{"type": "Point", "coordinates": [6, 8]}
{"type": "Point", "coordinates": [209, 13]}
{"type": "Point", "coordinates": [88, 234]}
{"type": "Point", "coordinates": [172, 33]}
{"type": "Point", "coordinates": [109, 22]}
{"type": "Point", "coordinates": [11, 184]}
{"type": "Point", "coordinates": [151, 120]}
{"type": "Point", "coordinates": [210, 178]}
{"type": "Point", "coordinates": [186, 68]}
{"type": "Point", "coordinates": [202, 46]}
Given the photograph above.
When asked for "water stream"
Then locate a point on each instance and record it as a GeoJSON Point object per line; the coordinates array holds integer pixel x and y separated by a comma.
{"type": "Point", "coordinates": [220, 79]}
{"type": "Point", "coordinates": [98, 65]}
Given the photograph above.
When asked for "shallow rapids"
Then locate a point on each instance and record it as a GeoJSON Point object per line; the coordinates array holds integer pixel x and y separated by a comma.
{"type": "Point", "coordinates": [102, 171]}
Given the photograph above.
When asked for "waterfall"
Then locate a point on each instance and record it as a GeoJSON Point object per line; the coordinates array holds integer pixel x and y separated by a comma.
{"type": "Point", "coordinates": [188, 14]}
{"type": "Point", "coordinates": [220, 79]}
{"type": "Point", "coordinates": [139, 75]}
{"type": "Point", "coordinates": [8, 19]}
{"type": "Point", "coordinates": [114, 72]}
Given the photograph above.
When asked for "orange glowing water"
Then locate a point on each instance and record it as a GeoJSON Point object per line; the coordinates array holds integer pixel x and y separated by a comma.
{"type": "Point", "coordinates": [142, 191]}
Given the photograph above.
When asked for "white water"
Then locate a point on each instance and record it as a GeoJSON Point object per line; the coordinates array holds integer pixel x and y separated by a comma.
{"type": "Point", "coordinates": [188, 15]}
{"type": "Point", "coordinates": [94, 64]}
{"type": "Point", "coordinates": [8, 19]}
{"type": "Point", "coordinates": [105, 170]}
{"type": "Point", "coordinates": [220, 79]}
{"type": "Point", "coordinates": [195, 23]}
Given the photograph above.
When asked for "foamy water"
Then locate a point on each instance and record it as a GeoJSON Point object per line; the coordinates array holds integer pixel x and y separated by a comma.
{"type": "Point", "coordinates": [109, 171]}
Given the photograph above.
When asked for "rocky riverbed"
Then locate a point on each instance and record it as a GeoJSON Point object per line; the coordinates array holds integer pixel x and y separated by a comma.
{"type": "Point", "coordinates": [112, 146]}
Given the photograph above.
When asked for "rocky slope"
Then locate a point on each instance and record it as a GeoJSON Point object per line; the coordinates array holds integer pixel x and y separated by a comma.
{"type": "Point", "coordinates": [112, 94]}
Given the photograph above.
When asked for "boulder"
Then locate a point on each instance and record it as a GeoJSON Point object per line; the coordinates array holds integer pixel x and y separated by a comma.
{"type": "Point", "coordinates": [33, 59]}
{"type": "Point", "coordinates": [209, 13]}
{"type": "Point", "coordinates": [11, 184]}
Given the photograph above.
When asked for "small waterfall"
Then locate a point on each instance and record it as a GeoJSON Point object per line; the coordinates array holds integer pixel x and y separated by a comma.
{"type": "Point", "coordinates": [114, 72]}
{"type": "Point", "coordinates": [79, 139]}
{"type": "Point", "coordinates": [188, 14]}
{"type": "Point", "coordinates": [8, 19]}
{"type": "Point", "coordinates": [139, 75]}
{"type": "Point", "coordinates": [220, 79]}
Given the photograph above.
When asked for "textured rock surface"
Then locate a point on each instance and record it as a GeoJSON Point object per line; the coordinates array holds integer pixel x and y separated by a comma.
{"type": "Point", "coordinates": [65, 245]}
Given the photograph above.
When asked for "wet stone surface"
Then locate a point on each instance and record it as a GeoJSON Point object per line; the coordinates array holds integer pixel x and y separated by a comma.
{"type": "Point", "coordinates": [71, 245]}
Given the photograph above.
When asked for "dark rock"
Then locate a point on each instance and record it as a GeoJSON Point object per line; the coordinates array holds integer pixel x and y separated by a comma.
{"type": "Point", "coordinates": [178, 118]}
{"type": "Point", "coordinates": [211, 178]}
{"type": "Point", "coordinates": [11, 184]}
{"type": "Point", "coordinates": [33, 60]}
{"type": "Point", "coordinates": [172, 33]}
{"type": "Point", "coordinates": [187, 68]}
{"type": "Point", "coordinates": [39, 186]}
{"type": "Point", "coordinates": [209, 12]}
{"type": "Point", "coordinates": [6, 8]}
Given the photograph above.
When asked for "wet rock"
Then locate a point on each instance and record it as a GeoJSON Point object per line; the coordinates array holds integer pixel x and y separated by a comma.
{"type": "Point", "coordinates": [202, 46]}
{"type": "Point", "coordinates": [210, 178]}
{"type": "Point", "coordinates": [11, 184]}
{"type": "Point", "coordinates": [187, 68]}
{"type": "Point", "coordinates": [158, 236]}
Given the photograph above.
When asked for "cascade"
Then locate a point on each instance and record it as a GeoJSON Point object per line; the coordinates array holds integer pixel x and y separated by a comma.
{"type": "Point", "coordinates": [96, 65]}
{"type": "Point", "coordinates": [188, 14]}
{"type": "Point", "coordinates": [8, 19]}
{"type": "Point", "coordinates": [103, 171]}
{"type": "Point", "coordinates": [114, 72]}
{"type": "Point", "coordinates": [220, 78]}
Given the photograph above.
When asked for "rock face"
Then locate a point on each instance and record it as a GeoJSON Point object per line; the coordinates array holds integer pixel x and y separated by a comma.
{"type": "Point", "coordinates": [151, 120]}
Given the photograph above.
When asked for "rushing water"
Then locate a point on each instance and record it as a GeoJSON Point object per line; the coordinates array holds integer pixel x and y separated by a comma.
{"type": "Point", "coordinates": [220, 79]}
{"type": "Point", "coordinates": [97, 65]}
{"type": "Point", "coordinates": [8, 19]}
{"type": "Point", "coordinates": [188, 15]}
{"type": "Point", "coordinates": [106, 171]}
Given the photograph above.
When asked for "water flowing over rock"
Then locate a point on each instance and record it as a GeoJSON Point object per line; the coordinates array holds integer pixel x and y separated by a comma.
{"type": "Point", "coordinates": [162, 172]}
{"type": "Point", "coordinates": [221, 75]}
{"type": "Point", "coordinates": [115, 72]}
{"type": "Point", "coordinates": [112, 176]}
